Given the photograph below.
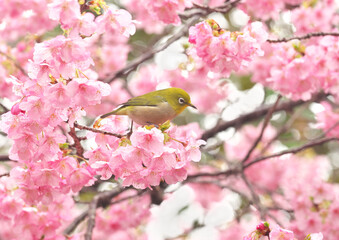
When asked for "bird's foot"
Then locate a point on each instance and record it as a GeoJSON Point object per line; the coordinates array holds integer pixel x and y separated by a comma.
{"type": "Point", "coordinates": [130, 131]}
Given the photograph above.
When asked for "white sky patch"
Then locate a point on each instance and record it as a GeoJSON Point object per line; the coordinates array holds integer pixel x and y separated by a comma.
{"type": "Point", "coordinates": [3, 25]}
{"type": "Point", "coordinates": [174, 215]}
{"type": "Point", "coordinates": [219, 214]}
{"type": "Point", "coordinates": [316, 108]}
{"type": "Point", "coordinates": [172, 56]}
{"type": "Point", "coordinates": [180, 211]}
{"type": "Point", "coordinates": [220, 19]}
{"type": "Point", "coordinates": [239, 18]}
{"type": "Point", "coordinates": [28, 13]}
{"type": "Point", "coordinates": [247, 101]}
{"type": "Point", "coordinates": [204, 233]}
{"type": "Point", "coordinates": [163, 85]}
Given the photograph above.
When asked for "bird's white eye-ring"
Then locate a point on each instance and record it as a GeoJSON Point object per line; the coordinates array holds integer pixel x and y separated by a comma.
{"type": "Point", "coordinates": [181, 100]}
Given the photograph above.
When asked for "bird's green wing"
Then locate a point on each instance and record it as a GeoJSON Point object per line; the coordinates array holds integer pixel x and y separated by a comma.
{"type": "Point", "coordinates": [149, 99]}
{"type": "Point", "coordinates": [144, 100]}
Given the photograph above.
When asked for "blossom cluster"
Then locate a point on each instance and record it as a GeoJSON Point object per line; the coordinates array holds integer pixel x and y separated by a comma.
{"type": "Point", "coordinates": [266, 9]}
{"type": "Point", "coordinates": [315, 16]}
{"type": "Point", "coordinates": [317, 200]}
{"type": "Point", "coordinates": [308, 67]}
{"type": "Point", "coordinates": [68, 14]}
{"type": "Point", "coordinates": [223, 51]}
{"type": "Point", "coordinates": [57, 59]}
{"type": "Point", "coordinates": [117, 221]}
{"type": "Point", "coordinates": [153, 16]}
{"type": "Point", "coordinates": [315, 205]}
{"type": "Point", "coordinates": [59, 85]}
{"type": "Point", "coordinates": [46, 175]}
{"type": "Point", "coordinates": [149, 12]}
{"type": "Point", "coordinates": [327, 120]}
{"type": "Point", "coordinates": [19, 18]}
{"type": "Point", "coordinates": [276, 233]}
{"type": "Point", "coordinates": [149, 157]}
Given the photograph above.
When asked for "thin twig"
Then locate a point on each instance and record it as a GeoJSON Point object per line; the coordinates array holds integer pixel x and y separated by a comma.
{"type": "Point", "coordinates": [148, 55]}
{"type": "Point", "coordinates": [293, 150]}
{"type": "Point", "coordinates": [5, 109]}
{"type": "Point", "coordinates": [16, 64]}
{"type": "Point", "coordinates": [226, 173]}
{"type": "Point", "coordinates": [275, 219]}
{"type": "Point", "coordinates": [204, 10]}
{"type": "Point", "coordinates": [97, 130]}
{"type": "Point", "coordinates": [139, 193]}
{"type": "Point", "coordinates": [101, 200]}
{"type": "Point", "coordinates": [248, 117]}
{"type": "Point", "coordinates": [79, 219]}
{"type": "Point", "coordinates": [5, 158]}
{"type": "Point", "coordinates": [223, 186]}
{"type": "Point", "coordinates": [255, 197]}
{"type": "Point", "coordinates": [284, 128]}
{"type": "Point", "coordinates": [265, 124]}
{"type": "Point", "coordinates": [192, 19]}
{"type": "Point", "coordinates": [329, 130]}
{"type": "Point", "coordinates": [91, 217]}
{"type": "Point", "coordinates": [307, 36]}
{"type": "Point", "coordinates": [77, 143]}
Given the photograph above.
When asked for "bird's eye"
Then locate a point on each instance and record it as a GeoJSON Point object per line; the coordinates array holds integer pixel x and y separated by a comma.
{"type": "Point", "coordinates": [181, 100]}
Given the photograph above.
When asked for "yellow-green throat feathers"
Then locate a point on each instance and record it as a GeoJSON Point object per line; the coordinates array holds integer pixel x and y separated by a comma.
{"type": "Point", "coordinates": [154, 107]}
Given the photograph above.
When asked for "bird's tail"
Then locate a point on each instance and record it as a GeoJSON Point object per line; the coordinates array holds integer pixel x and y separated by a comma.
{"type": "Point", "coordinates": [108, 114]}
{"type": "Point", "coordinates": [97, 122]}
{"type": "Point", "coordinates": [120, 110]}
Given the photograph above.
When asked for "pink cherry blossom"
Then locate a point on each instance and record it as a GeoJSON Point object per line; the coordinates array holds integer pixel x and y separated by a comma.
{"type": "Point", "coordinates": [316, 236]}
{"type": "Point", "coordinates": [78, 178]}
{"type": "Point", "coordinates": [264, 9]}
{"type": "Point", "coordinates": [166, 11]}
{"type": "Point", "coordinates": [143, 14]}
{"type": "Point", "coordinates": [308, 70]}
{"type": "Point", "coordinates": [115, 221]}
{"type": "Point", "coordinates": [17, 23]}
{"type": "Point", "coordinates": [85, 25]}
{"type": "Point", "coordinates": [87, 92]}
{"type": "Point", "coordinates": [224, 51]}
{"type": "Point", "coordinates": [63, 63]}
{"type": "Point", "coordinates": [149, 158]}
{"type": "Point", "coordinates": [150, 140]}
{"type": "Point", "coordinates": [116, 19]}
{"type": "Point", "coordinates": [278, 233]}
{"type": "Point", "coordinates": [320, 17]}
{"type": "Point", "coordinates": [67, 12]}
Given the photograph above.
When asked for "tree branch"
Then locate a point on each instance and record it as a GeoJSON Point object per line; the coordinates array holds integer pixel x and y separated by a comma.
{"type": "Point", "coordinates": [91, 217]}
{"type": "Point", "coordinates": [307, 36]}
{"type": "Point", "coordinates": [5, 109]}
{"type": "Point", "coordinates": [203, 10]}
{"type": "Point", "coordinates": [148, 55]}
{"type": "Point", "coordinates": [293, 150]}
{"type": "Point", "coordinates": [96, 130]}
{"type": "Point", "coordinates": [248, 117]}
{"type": "Point", "coordinates": [226, 173]}
{"type": "Point", "coordinates": [192, 19]}
{"type": "Point", "coordinates": [77, 143]}
{"type": "Point", "coordinates": [100, 200]}
{"type": "Point", "coordinates": [16, 64]}
{"type": "Point", "coordinates": [266, 121]}
{"type": "Point", "coordinates": [284, 128]}
{"type": "Point", "coordinates": [5, 158]}
{"type": "Point", "coordinates": [255, 197]}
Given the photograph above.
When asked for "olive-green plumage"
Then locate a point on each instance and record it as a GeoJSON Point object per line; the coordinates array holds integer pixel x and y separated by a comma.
{"type": "Point", "coordinates": [154, 107]}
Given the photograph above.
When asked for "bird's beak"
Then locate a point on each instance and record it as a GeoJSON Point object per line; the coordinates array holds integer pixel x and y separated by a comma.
{"type": "Point", "coordinates": [191, 105]}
